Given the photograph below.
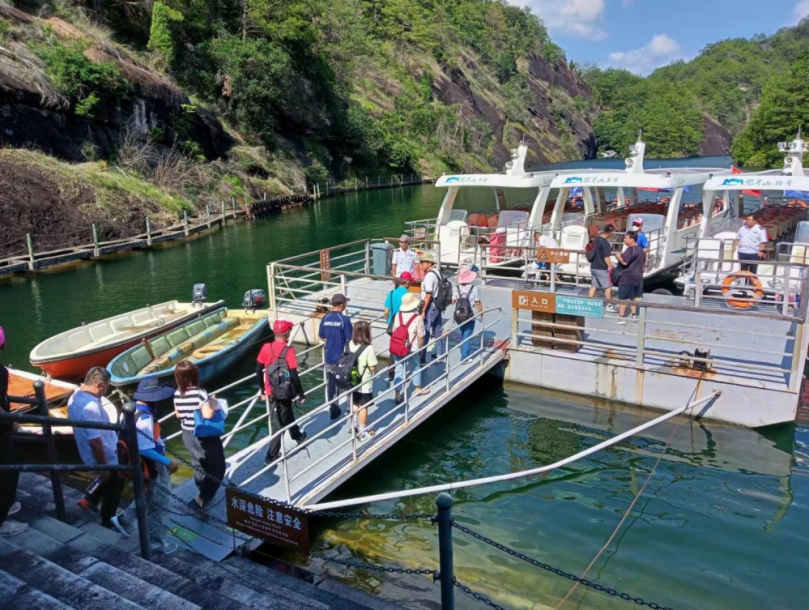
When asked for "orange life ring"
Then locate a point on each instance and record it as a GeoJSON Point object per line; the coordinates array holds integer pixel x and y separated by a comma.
{"type": "Point", "coordinates": [752, 279]}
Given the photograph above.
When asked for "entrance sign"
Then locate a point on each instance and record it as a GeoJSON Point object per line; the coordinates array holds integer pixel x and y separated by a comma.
{"type": "Point", "coordinates": [553, 255]}
{"type": "Point", "coordinates": [534, 301]}
{"type": "Point", "coordinates": [579, 306]}
{"type": "Point", "coordinates": [325, 263]}
{"type": "Point", "coordinates": [266, 520]}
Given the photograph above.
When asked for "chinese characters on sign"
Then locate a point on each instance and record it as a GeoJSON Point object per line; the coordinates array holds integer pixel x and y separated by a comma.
{"type": "Point", "coordinates": [553, 255]}
{"type": "Point", "coordinates": [535, 301]}
{"type": "Point", "coordinates": [325, 263]}
{"type": "Point", "coordinates": [261, 518]}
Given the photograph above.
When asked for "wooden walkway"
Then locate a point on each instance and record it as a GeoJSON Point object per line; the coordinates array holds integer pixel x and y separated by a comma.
{"type": "Point", "coordinates": [34, 261]}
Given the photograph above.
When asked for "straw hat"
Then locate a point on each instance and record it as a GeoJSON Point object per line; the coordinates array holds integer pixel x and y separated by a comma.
{"type": "Point", "coordinates": [427, 257]}
{"type": "Point", "coordinates": [466, 275]}
{"type": "Point", "coordinates": [410, 302]}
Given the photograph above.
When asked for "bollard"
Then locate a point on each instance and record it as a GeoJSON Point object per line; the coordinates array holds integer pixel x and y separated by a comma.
{"type": "Point", "coordinates": [95, 240]}
{"type": "Point", "coordinates": [208, 215]}
{"type": "Point", "coordinates": [148, 232]}
{"type": "Point", "coordinates": [30, 241]}
{"type": "Point", "coordinates": [128, 409]}
{"type": "Point", "coordinates": [185, 222]}
{"type": "Point", "coordinates": [224, 218]}
{"type": "Point", "coordinates": [444, 504]}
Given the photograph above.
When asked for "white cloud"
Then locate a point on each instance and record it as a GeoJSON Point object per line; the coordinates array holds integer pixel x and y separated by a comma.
{"type": "Point", "coordinates": [660, 50]}
{"type": "Point", "coordinates": [799, 11]}
{"type": "Point", "coordinates": [579, 18]}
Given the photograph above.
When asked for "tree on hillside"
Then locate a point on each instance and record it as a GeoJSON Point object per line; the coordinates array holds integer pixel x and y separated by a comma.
{"type": "Point", "coordinates": [784, 107]}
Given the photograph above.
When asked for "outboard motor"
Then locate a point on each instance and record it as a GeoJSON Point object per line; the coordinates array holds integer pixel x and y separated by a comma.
{"type": "Point", "coordinates": [200, 295]}
{"type": "Point", "coordinates": [254, 299]}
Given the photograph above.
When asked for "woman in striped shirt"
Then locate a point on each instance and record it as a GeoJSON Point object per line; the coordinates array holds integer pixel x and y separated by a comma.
{"type": "Point", "coordinates": [207, 454]}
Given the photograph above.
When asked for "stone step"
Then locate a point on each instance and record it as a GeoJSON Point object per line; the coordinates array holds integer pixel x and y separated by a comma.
{"type": "Point", "coordinates": [14, 593]}
{"type": "Point", "coordinates": [61, 584]}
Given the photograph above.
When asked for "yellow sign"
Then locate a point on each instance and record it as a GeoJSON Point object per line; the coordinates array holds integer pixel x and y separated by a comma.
{"type": "Point", "coordinates": [553, 255]}
{"type": "Point", "coordinates": [534, 301]}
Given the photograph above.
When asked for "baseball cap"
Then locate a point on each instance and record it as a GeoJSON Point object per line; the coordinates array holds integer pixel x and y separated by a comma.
{"type": "Point", "coordinates": [281, 327]}
{"type": "Point", "coordinates": [638, 222]}
{"type": "Point", "coordinates": [404, 239]}
{"type": "Point", "coordinates": [339, 299]}
{"type": "Point", "coordinates": [406, 277]}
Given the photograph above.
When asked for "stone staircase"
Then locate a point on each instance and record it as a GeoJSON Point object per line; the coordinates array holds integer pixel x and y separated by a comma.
{"type": "Point", "coordinates": [79, 564]}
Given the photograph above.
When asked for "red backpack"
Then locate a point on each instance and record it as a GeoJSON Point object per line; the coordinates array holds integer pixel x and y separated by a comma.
{"type": "Point", "coordinates": [400, 339]}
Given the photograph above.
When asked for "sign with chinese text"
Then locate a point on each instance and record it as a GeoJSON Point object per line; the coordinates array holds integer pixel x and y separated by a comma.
{"type": "Point", "coordinates": [534, 301]}
{"type": "Point", "coordinates": [266, 520]}
{"type": "Point", "coordinates": [553, 255]}
{"type": "Point", "coordinates": [580, 306]}
{"type": "Point", "coordinates": [325, 263]}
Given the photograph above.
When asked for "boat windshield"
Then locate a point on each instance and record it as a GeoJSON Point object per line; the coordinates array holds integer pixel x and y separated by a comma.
{"type": "Point", "coordinates": [512, 218]}
{"type": "Point", "coordinates": [802, 233]}
{"type": "Point", "coordinates": [458, 215]}
{"type": "Point", "coordinates": [651, 222]}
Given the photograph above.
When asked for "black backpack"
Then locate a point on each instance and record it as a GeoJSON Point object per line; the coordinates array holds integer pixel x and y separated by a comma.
{"type": "Point", "coordinates": [442, 295]}
{"type": "Point", "coordinates": [346, 373]}
{"type": "Point", "coordinates": [590, 251]}
{"type": "Point", "coordinates": [280, 380]}
{"type": "Point", "coordinates": [463, 307]}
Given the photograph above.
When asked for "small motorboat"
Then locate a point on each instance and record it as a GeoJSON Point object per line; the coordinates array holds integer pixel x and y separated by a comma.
{"type": "Point", "coordinates": [214, 342]}
{"type": "Point", "coordinates": [57, 393]}
{"type": "Point", "coordinates": [69, 355]}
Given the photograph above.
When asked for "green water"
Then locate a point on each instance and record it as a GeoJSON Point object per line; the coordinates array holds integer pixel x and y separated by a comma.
{"type": "Point", "coordinates": [723, 522]}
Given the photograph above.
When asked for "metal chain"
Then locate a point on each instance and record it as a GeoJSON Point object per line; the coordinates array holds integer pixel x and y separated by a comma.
{"type": "Point", "coordinates": [545, 566]}
{"type": "Point", "coordinates": [476, 595]}
{"type": "Point", "coordinates": [369, 566]}
{"type": "Point", "coordinates": [287, 505]}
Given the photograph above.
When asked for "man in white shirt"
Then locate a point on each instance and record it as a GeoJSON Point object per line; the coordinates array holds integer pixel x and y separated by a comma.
{"type": "Point", "coordinates": [750, 243]}
{"type": "Point", "coordinates": [541, 240]}
{"type": "Point", "coordinates": [404, 259]}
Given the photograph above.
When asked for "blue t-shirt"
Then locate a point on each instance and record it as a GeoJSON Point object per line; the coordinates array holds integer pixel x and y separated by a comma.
{"type": "Point", "coordinates": [335, 329]}
{"type": "Point", "coordinates": [86, 407]}
{"type": "Point", "coordinates": [643, 240]}
{"type": "Point", "coordinates": [394, 301]}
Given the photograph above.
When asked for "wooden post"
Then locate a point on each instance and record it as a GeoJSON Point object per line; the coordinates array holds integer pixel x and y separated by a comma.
{"type": "Point", "coordinates": [148, 232]}
{"type": "Point", "coordinates": [185, 222]}
{"type": "Point", "coordinates": [30, 240]}
{"type": "Point", "coordinates": [208, 215]}
{"type": "Point", "coordinates": [224, 220]}
{"type": "Point", "coordinates": [95, 240]}
{"type": "Point", "coordinates": [233, 202]}
{"type": "Point", "coordinates": [366, 183]}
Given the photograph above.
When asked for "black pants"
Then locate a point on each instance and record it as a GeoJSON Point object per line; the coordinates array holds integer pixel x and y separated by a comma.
{"type": "Point", "coordinates": [109, 493]}
{"type": "Point", "coordinates": [285, 417]}
{"type": "Point", "coordinates": [331, 390]}
{"type": "Point", "coordinates": [207, 454]}
{"type": "Point", "coordinates": [745, 256]}
{"type": "Point", "coordinates": [8, 480]}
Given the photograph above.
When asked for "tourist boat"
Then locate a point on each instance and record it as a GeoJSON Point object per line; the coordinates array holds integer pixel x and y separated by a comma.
{"type": "Point", "coordinates": [69, 355]}
{"type": "Point", "coordinates": [214, 342]}
{"type": "Point", "coordinates": [568, 205]}
{"type": "Point", "coordinates": [780, 197]}
{"type": "Point", "coordinates": [57, 393]}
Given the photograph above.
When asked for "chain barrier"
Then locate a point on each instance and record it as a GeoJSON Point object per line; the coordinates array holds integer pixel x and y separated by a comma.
{"type": "Point", "coordinates": [360, 565]}
{"type": "Point", "coordinates": [549, 568]}
{"type": "Point", "coordinates": [476, 595]}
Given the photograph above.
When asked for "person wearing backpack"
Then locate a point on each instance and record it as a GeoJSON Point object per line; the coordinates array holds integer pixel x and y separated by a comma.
{"type": "Point", "coordinates": [393, 302]}
{"type": "Point", "coordinates": [600, 259]}
{"type": "Point", "coordinates": [277, 374]}
{"type": "Point", "coordinates": [207, 453]}
{"type": "Point", "coordinates": [408, 337]}
{"type": "Point", "coordinates": [335, 332]}
{"type": "Point", "coordinates": [437, 293]}
{"type": "Point", "coordinates": [158, 467]}
{"type": "Point", "coordinates": [465, 297]}
{"type": "Point", "coordinates": [363, 372]}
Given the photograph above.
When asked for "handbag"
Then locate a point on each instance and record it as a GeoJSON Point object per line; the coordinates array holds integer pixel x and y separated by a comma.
{"type": "Point", "coordinates": [207, 428]}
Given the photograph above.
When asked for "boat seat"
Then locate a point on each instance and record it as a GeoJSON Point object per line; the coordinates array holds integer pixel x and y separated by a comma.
{"type": "Point", "coordinates": [119, 324]}
{"type": "Point", "coordinates": [141, 317]}
{"type": "Point", "coordinates": [183, 350]}
{"type": "Point", "coordinates": [195, 327]}
{"type": "Point", "coordinates": [99, 332]}
{"type": "Point", "coordinates": [79, 339]}
{"type": "Point", "coordinates": [160, 345]}
{"type": "Point", "coordinates": [178, 336]}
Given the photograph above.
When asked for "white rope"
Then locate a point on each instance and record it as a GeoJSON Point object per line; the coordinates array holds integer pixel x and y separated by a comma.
{"type": "Point", "coordinates": [513, 475]}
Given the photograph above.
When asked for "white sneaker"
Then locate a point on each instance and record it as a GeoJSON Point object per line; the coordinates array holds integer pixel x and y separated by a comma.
{"type": "Point", "coordinates": [121, 525]}
{"type": "Point", "coordinates": [620, 321]}
{"type": "Point", "coordinates": [365, 436]}
{"type": "Point", "coordinates": [12, 528]}
{"type": "Point", "coordinates": [15, 508]}
{"type": "Point", "coordinates": [611, 308]}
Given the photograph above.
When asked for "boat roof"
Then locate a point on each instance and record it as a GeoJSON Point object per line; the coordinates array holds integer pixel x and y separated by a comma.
{"type": "Point", "coordinates": [662, 178]}
{"type": "Point", "coordinates": [529, 180]}
{"type": "Point", "coordinates": [773, 180]}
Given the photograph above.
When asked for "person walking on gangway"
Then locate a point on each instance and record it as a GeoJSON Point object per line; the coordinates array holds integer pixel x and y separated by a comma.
{"type": "Point", "coordinates": [335, 332]}
{"type": "Point", "coordinates": [437, 294]}
{"type": "Point", "coordinates": [277, 374]}
{"type": "Point", "coordinates": [465, 297]}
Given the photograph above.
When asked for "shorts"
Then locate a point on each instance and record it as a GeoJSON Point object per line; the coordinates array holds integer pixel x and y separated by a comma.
{"type": "Point", "coordinates": [601, 278]}
{"type": "Point", "coordinates": [630, 293]}
{"type": "Point", "coordinates": [361, 398]}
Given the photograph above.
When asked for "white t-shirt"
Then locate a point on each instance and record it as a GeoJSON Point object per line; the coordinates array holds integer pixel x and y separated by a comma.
{"type": "Point", "coordinates": [144, 422]}
{"type": "Point", "coordinates": [366, 360]}
{"type": "Point", "coordinates": [546, 241]}
{"type": "Point", "coordinates": [187, 404]}
{"type": "Point", "coordinates": [430, 281]}
{"type": "Point", "coordinates": [467, 289]}
{"type": "Point", "coordinates": [751, 239]}
{"type": "Point", "coordinates": [415, 330]}
{"type": "Point", "coordinates": [86, 407]}
{"type": "Point", "coordinates": [404, 261]}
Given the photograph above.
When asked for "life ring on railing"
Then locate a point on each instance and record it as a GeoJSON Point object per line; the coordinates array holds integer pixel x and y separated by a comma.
{"type": "Point", "coordinates": [752, 280]}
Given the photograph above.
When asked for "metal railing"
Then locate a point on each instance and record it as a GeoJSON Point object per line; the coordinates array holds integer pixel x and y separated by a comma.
{"type": "Point", "coordinates": [54, 467]}
{"type": "Point", "coordinates": [403, 407]}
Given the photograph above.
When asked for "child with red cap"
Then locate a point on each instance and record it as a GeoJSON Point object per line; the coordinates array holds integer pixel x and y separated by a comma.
{"type": "Point", "coordinates": [269, 354]}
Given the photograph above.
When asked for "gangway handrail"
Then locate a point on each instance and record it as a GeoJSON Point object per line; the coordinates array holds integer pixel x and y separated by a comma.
{"type": "Point", "coordinates": [338, 422]}
{"type": "Point", "coordinates": [512, 475]}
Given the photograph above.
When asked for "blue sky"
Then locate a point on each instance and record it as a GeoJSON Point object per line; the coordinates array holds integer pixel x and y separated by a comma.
{"type": "Point", "coordinates": [641, 35]}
